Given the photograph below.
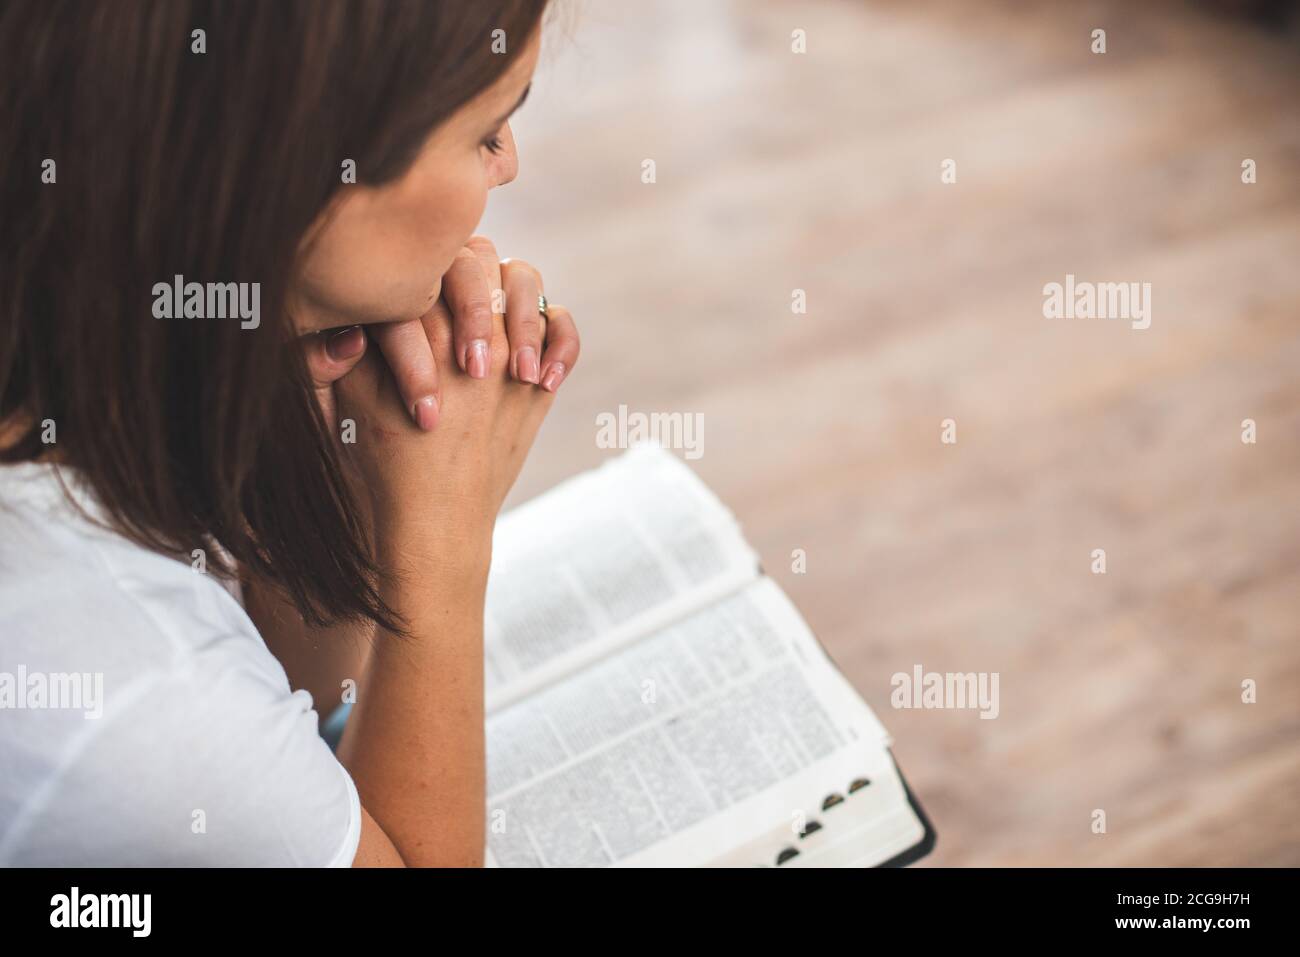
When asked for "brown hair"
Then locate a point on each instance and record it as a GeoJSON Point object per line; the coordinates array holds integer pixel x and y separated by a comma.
{"type": "Point", "coordinates": [211, 166]}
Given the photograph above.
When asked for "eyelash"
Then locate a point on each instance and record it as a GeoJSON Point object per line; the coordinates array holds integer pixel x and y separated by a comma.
{"type": "Point", "coordinates": [493, 144]}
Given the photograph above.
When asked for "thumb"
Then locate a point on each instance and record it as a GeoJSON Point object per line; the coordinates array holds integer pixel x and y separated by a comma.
{"type": "Point", "coordinates": [330, 356]}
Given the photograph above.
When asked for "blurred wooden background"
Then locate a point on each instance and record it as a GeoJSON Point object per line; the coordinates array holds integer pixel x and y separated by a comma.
{"type": "Point", "coordinates": [822, 431]}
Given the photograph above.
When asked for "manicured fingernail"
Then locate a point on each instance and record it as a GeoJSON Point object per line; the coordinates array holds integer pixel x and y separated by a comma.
{"type": "Point", "coordinates": [476, 359]}
{"type": "Point", "coordinates": [345, 344]}
{"type": "Point", "coordinates": [526, 365]}
{"type": "Point", "coordinates": [425, 412]}
{"type": "Point", "coordinates": [554, 376]}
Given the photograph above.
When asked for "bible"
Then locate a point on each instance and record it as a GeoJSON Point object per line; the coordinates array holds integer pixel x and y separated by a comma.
{"type": "Point", "coordinates": [653, 699]}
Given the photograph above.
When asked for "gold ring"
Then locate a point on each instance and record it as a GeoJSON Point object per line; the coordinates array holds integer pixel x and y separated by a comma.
{"type": "Point", "coordinates": [541, 305]}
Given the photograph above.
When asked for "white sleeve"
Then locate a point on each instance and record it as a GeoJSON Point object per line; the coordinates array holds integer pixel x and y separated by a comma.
{"type": "Point", "coordinates": [214, 765]}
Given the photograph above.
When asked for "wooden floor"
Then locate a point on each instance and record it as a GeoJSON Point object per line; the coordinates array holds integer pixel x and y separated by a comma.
{"type": "Point", "coordinates": [820, 172]}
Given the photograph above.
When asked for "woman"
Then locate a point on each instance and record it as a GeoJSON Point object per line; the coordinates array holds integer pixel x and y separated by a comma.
{"type": "Point", "coordinates": [258, 414]}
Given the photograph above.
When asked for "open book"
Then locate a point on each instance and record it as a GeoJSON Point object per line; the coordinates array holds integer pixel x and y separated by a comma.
{"type": "Point", "coordinates": [653, 699]}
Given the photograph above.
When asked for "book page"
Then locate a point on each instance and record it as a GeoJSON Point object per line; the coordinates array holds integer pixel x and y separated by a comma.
{"type": "Point", "coordinates": [690, 742]}
{"type": "Point", "coordinates": [856, 821]}
{"type": "Point", "coordinates": [599, 561]}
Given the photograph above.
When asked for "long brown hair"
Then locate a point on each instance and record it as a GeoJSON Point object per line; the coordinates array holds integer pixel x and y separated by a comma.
{"type": "Point", "coordinates": [209, 165]}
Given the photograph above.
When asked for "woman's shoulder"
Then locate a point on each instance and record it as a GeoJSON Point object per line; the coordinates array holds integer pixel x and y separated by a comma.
{"type": "Point", "coordinates": [69, 581]}
{"type": "Point", "coordinates": [138, 691]}
{"type": "Point", "coordinates": [82, 605]}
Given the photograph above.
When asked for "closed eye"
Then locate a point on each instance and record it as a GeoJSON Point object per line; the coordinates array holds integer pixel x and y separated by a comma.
{"type": "Point", "coordinates": [493, 142]}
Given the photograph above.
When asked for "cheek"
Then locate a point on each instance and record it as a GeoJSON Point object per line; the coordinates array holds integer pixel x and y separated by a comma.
{"type": "Point", "coordinates": [430, 225]}
{"type": "Point", "coordinates": [383, 259]}
{"type": "Point", "coordinates": [448, 216]}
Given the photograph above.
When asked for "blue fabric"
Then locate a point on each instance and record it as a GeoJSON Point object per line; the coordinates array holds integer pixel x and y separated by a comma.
{"type": "Point", "coordinates": [332, 729]}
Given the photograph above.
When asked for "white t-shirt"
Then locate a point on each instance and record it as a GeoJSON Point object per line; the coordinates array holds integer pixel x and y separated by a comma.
{"type": "Point", "coordinates": [200, 754]}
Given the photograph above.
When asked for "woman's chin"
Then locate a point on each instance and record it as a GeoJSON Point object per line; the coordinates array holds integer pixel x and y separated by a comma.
{"type": "Point", "coordinates": [433, 296]}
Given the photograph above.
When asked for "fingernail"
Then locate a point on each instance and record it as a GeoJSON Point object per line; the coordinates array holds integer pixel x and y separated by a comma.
{"type": "Point", "coordinates": [476, 359]}
{"type": "Point", "coordinates": [425, 413]}
{"type": "Point", "coordinates": [526, 364]}
{"type": "Point", "coordinates": [345, 344]}
{"type": "Point", "coordinates": [554, 375]}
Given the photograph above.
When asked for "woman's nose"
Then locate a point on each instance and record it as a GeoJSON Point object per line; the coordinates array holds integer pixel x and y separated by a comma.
{"type": "Point", "coordinates": [505, 163]}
